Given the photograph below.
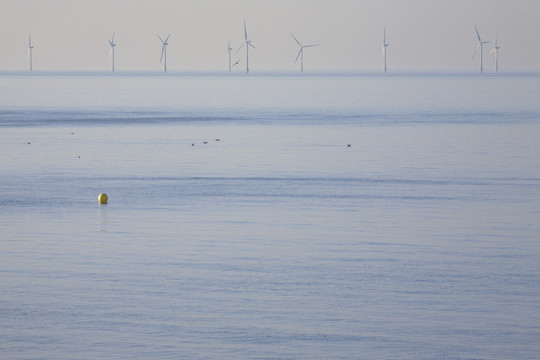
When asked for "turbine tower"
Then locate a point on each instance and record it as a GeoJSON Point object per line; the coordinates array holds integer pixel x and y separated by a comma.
{"type": "Point", "coordinates": [385, 45]}
{"type": "Point", "coordinates": [496, 51]}
{"type": "Point", "coordinates": [30, 47]}
{"type": "Point", "coordinates": [301, 52]}
{"type": "Point", "coordinates": [229, 49]}
{"type": "Point", "coordinates": [164, 52]}
{"type": "Point", "coordinates": [112, 44]}
{"type": "Point", "coordinates": [481, 47]}
{"type": "Point", "coordinates": [247, 43]}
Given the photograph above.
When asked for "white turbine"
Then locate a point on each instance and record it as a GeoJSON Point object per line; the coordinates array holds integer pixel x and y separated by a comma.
{"type": "Point", "coordinates": [229, 49]}
{"type": "Point", "coordinates": [481, 47]}
{"type": "Point", "coordinates": [30, 47]}
{"type": "Point", "coordinates": [112, 44]}
{"type": "Point", "coordinates": [496, 51]}
{"type": "Point", "coordinates": [385, 45]}
{"type": "Point", "coordinates": [301, 52]}
{"type": "Point", "coordinates": [164, 52]}
{"type": "Point", "coordinates": [247, 43]}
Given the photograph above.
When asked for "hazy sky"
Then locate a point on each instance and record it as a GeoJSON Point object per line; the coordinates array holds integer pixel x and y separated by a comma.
{"type": "Point", "coordinates": [423, 34]}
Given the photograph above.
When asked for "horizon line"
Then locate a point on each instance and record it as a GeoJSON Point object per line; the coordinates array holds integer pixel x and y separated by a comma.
{"type": "Point", "coordinates": [275, 72]}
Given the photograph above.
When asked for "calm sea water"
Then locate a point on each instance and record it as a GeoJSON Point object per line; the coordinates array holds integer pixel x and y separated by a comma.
{"type": "Point", "coordinates": [421, 240]}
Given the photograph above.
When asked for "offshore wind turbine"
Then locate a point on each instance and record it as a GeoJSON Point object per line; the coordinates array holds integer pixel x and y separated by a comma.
{"type": "Point", "coordinates": [164, 51]}
{"type": "Point", "coordinates": [301, 52]}
{"type": "Point", "coordinates": [496, 51]}
{"type": "Point", "coordinates": [112, 44]}
{"type": "Point", "coordinates": [229, 49]}
{"type": "Point", "coordinates": [247, 43]}
{"type": "Point", "coordinates": [481, 47]}
{"type": "Point", "coordinates": [30, 47]}
{"type": "Point", "coordinates": [385, 45]}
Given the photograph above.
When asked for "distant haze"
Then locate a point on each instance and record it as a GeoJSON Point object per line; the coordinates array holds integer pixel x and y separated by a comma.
{"type": "Point", "coordinates": [422, 34]}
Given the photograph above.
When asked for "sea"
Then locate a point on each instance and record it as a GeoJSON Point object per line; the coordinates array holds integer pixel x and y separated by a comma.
{"type": "Point", "coordinates": [270, 215]}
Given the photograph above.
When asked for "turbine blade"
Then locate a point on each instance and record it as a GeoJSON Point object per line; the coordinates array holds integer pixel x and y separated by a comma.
{"type": "Point", "coordinates": [477, 33]}
{"type": "Point", "coordinates": [160, 39]}
{"type": "Point", "coordinates": [311, 45]}
{"type": "Point", "coordinates": [299, 53]}
{"type": "Point", "coordinates": [239, 48]}
{"type": "Point", "coordinates": [476, 51]}
{"type": "Point", "coordinates": [298, 42]}
{"type": "Point", "coordinates": [112, 41]}
{"type": "Point", "coordinates": [250, 44]}
{"type": "Point", "coordinates": [162, 51]}
{"type": "Point", "coordinates": [30, 40]}
{"type": "Point", "coordinates": [168, 37]}
{"type": "Point", "coordinates": [245, 30]}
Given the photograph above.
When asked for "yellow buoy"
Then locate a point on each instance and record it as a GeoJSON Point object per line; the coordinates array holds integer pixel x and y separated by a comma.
{"type": "Point", "coordinates": [103, 198]}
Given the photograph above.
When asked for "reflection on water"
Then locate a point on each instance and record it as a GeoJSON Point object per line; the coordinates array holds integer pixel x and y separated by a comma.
{"type": "Point", "coordinates": [102, 217]}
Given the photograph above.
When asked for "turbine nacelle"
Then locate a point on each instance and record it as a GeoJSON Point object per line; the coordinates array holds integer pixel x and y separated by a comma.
{"type": "Point", "coordinates": [111, 42]}
{"type": "Point", "coordinates": [164, 42]}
